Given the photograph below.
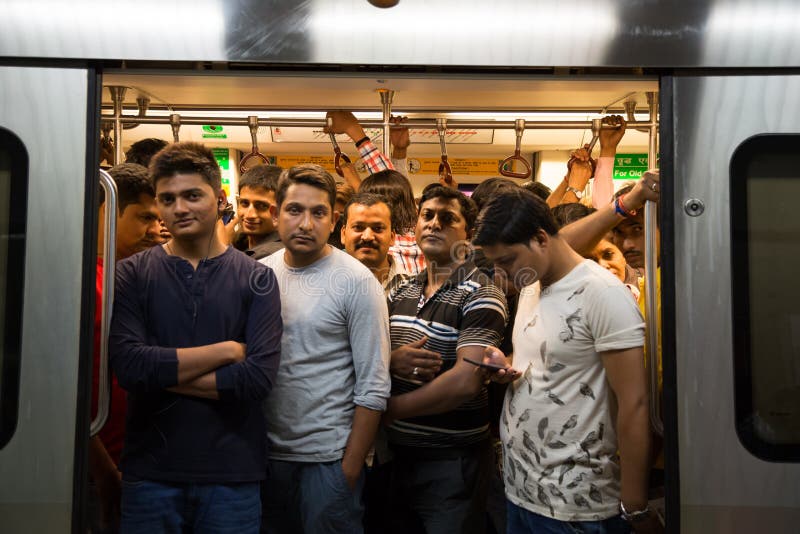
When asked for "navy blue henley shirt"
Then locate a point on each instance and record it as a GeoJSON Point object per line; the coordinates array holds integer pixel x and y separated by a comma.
{"type": "Point", "coordinates": [161, 303]}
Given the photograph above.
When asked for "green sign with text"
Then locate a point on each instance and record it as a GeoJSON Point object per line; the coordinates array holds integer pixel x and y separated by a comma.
{"type": "Point", "coordinates": [213, 131]}
{"type": "Point", "coordinates": [222, 157]}
{"type": "Point", "coordinates": [629, 166]}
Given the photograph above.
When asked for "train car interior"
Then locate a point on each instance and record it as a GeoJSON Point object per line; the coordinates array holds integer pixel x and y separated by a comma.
{"type": "Point", "coordinates": [281, 102]}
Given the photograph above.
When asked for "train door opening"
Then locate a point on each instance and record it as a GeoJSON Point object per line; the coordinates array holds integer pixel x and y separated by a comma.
{"type": "Point", "coordinates": [480, 126]}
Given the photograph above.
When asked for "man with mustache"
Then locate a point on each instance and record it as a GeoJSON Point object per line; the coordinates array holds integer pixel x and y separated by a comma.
{"type": "Point", "coordinates": [629, 235]}
{"type": "Point", "coordinates": [367, 235]}
{"type": "Point", "coordinates": [438, 414]}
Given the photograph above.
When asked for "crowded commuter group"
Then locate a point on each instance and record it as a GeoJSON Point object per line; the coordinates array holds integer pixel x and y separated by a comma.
{"type": "Point", "coordinates": [344, 358]}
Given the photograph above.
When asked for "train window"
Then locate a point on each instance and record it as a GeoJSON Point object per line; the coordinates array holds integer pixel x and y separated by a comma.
{"type": "Point", "coordinates": [765, 222]}
{"type": "Point", "coordinates": [13, 208]}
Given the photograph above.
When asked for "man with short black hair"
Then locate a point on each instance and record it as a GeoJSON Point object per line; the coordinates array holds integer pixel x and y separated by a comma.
{"type": "Point", "coordinates": [439, 428]}
{"type": "Point", "coordinates": [367, 235]}
{"type": "Point", "coordinates": [142, 151]}
{"type": "Point", "coordinates": [582, 397]}
{"type": "Point", "coordinates": [333, 380]}
{"type": "Point", "coordinates": [258, 237]}
{"type": "Point", "coordinates": [628, 235]}
{"type": "Point", "coordinates": [195, 339]}
{"type": "Point", "coordinates": [137, 230]}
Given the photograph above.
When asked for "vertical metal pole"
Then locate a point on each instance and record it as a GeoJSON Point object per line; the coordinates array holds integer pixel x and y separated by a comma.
{"type": "Point", "coordinates": [117, 97]}
{"type": "Point", "coordinates": [387, 95]}
{"type": "Point", "coordinates": [651, 275]}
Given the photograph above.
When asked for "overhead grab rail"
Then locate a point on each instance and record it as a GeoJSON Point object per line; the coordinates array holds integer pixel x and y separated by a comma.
{"type": "Point", "coordinates": [255, 157]}
{"type": "Point", "coordinates": [445, 172]}
{"type": "Point", "coordinates": [414, 124]}
{"type": "Point", "coordinates": [519, 128]}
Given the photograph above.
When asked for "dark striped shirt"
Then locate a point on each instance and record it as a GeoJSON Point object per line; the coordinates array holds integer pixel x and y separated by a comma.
{"type": "Point", "coordinates": [467, 310]}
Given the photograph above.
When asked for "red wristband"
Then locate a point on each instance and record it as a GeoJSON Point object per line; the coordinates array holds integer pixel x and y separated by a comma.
{"type": "Point", "coordinates": [619, 207]}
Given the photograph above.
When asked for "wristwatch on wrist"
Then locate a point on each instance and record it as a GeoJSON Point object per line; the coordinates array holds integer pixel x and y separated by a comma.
{"type": "Point", "coordinates": [577, 192]}
{"type": "Point", "coordinates": [634, 517]}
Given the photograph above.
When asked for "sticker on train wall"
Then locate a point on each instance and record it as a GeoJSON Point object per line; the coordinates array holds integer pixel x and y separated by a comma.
{"type": "Point", "coordinates": [222, 156]}
{"type": "Point", "coordinates": [293, 134]}
{"type": "Point", "coordinates": [629, 166]}
{"type": "Point", "coordinates": [459, 166]}
{"type": "Point", "coordinates": [423, 136]}
{"type": "Point", "coordinates": [326, 162]}
{"type": "Point", "coordinates": [214, 131]}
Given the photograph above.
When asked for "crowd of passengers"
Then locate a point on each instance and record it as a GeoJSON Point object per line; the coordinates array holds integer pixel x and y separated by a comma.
{"type": "Point", "coordinates": [345, 359]}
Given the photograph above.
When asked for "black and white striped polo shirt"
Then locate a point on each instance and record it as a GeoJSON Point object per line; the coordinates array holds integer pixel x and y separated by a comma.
{"type": "Point", "coordinates": [466, 310]}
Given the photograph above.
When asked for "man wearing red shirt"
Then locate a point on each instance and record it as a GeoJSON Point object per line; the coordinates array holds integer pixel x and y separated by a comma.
{"type": "Point", "coordinates": [137, 229]}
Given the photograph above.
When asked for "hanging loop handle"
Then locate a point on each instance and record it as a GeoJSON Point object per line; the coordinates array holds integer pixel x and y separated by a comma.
{"type": "Point", "coordinates": [519, 128]}
{"type": "Point", "coordinates": [254, 157]}
{"type": "Point", "coordinates": [597, 125]}
{"type": "Point", "coordinates": [175, 123]}
{"type": "Point", "coordinates": [339, 156]}
{"type": "Point", "coordinates": [445, 172]}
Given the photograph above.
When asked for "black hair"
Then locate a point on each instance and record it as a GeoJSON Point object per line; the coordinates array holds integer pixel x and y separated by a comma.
{"type": "Point", "coordinates": [142, 152]}
{"type": "Point", "coordinates": [261, 176]}
{"type": "Point", "coordinates": [132, 182]}
{"type": "Point", "coordinates": [429, 187]}
{"type": "Point", "coordinates": [308, 174]}
{"type": "Point", "coordinates": [571, 212]}
{"type": "Point", "coordinates": [513, 217]}
{"type": "Point", "coordinates": [364, 199]}
{"type": "Point", "coordinates": [488, 188]}
{"type": "Point", "coordinates": [186, 158]}
{"type": "Point", "coordinates": [398, 193]}
{"type": "Point", "coordinates": [468, 209]}
{"type": "Point", "coordinates": [537, 188]}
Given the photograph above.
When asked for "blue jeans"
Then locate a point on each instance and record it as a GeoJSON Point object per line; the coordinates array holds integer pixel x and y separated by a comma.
{"type": "Point", "coordinates": [520, 520]}
{"type": "Point", "coordinates": [150, 507]}
{"type": "Point", "coordinates": [310, 498]}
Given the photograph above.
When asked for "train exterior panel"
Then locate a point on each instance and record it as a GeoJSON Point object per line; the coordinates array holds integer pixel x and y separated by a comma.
{"type": "Point", "coordinates": [728, 73]}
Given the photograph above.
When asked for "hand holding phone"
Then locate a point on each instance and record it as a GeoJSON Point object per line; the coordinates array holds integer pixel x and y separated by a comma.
{"type": "Point", "coordinates": [495, 366]}
{"type": "Point", "coordinates": [489, 366]}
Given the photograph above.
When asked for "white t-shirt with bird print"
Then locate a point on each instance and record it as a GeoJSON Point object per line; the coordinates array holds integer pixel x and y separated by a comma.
{"type": "Point", "coordinates": [558, 421]}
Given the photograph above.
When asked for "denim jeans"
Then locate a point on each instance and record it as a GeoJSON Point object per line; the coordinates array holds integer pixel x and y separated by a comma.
{"type": "Point", "coordinates": [310, 498]}
{"type": "Point", "coordinates": [520, 520]}
{"type": "Point", "coordinates": [150, 507]}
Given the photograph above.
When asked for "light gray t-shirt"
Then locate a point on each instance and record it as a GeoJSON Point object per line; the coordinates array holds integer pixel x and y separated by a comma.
{"type": "Point", "coordinates": [334, 355]}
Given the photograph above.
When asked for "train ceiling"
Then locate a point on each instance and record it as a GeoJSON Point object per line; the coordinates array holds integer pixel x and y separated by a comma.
{"type": "Point", "coordinates": [454, 97]}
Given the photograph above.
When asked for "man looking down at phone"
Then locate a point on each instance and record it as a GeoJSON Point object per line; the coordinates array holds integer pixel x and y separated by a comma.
{"type": "Point", "coordinates": [579, 392]}
{"type": "Point", "coordinates": [438, 413]}
{"type": "Point", "coordinates": [197, 349]}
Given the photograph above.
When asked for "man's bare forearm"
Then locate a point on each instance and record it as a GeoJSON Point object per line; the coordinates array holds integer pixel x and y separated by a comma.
{"type": "Point", "coordinates": [362, 436]}
{"type": "Point", "coordinates": [195, 362]}
{"type": "Point", "coordinates": [204, 386]}
{"type": "Point", "coordinates": [633, 429]}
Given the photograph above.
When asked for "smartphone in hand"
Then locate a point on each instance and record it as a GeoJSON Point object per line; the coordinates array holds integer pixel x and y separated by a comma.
{"type": "Point", "coordinates": [488, 366]}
